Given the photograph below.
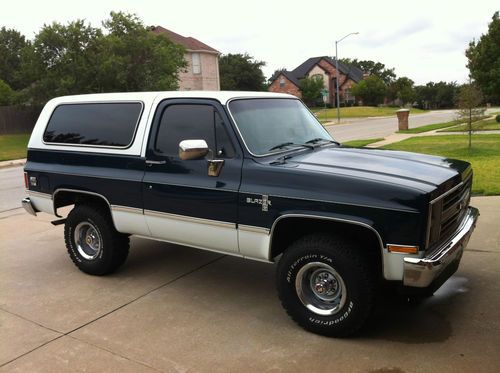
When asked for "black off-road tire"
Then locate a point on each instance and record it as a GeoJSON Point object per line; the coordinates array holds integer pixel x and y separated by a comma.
{"type": "Point", "coordinates": [114, 246]}
{"type": "Point", "coordinates": [351, 266]}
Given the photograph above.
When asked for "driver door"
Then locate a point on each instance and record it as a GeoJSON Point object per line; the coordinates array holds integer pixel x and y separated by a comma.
{"type": "Point", "coordinates": [182, 203]}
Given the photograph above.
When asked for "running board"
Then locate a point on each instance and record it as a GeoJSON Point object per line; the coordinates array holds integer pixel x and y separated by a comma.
{"type": "Point", "coordinates": [58, 222]}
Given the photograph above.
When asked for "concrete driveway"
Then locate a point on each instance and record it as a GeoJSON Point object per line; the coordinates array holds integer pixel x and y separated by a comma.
{"type": "Point", "coordinates": [173, 309]}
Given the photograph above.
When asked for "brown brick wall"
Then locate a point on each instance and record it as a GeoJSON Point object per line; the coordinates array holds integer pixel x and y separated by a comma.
{"type": "Point", "coordinates": [342, 79]}
{"type": "Point", "coordinates": [289, 87]}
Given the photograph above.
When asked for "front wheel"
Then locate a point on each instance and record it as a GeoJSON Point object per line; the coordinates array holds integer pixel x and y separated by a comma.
{"type": "Point", "coordinates": [326, 285]}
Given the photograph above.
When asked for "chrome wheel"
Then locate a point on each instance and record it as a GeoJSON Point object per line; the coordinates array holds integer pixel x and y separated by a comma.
{"type": "Point", "coordinates": [320, 288]}
{"type": "Point", "coordinates": [88, 240]}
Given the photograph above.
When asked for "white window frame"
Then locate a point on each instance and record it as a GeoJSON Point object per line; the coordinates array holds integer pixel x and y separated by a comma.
{"type": "Point", "coordinates": [196, 63]}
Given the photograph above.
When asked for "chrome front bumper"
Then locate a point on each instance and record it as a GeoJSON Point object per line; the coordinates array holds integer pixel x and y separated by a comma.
{"type": "Point", "coordinates": [421, 272]}
{"type": "Point", "coordinates": [28, 206]}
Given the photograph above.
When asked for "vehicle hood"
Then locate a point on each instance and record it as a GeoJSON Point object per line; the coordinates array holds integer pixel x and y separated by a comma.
{"type": "Point", "coordinates": [385, 165]}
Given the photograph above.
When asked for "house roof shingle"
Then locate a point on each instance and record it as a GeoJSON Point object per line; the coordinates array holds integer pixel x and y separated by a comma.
{"type": "Point", "coordinates": [188, 42]}
{"type": "Point", "coordinates": [290, 76]}
{"type": "Point", "coordinates": [301, 71]}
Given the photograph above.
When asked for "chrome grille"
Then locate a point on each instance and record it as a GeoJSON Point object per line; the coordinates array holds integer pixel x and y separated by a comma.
{"type": "Point", "coordinates": [454, 208]}
{"type": "Point", "coordinates": [447, 212]}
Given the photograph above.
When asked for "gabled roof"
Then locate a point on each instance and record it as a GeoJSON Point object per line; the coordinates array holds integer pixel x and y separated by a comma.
{"type": "Point", "coordinates": [301, 71]}
{"type": "Point", "coordinates": [353, 72]}
{"type": "Point", "coordinates": [290, 77]}
{"type": "Point", "coordinates": [189, 43]}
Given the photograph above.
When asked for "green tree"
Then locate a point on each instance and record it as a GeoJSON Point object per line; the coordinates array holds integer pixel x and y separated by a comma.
{"type": "Point", "coordinates": [63, 60]}
{"type": "Point", "coordinates": [439, 95]}
{"type": "Point", "coordinates": [484, 60]}
{"type": "Point", "coordinates": [469, 99]}
{"type": "Point", "coordinates": [131, 58]}
{"type": "Point", "coordinates": [311, 89]}
{"type": "Point", "coordinates": [240, 72]}
{"type": "Point", "coordinates": [371, 90]}
{"type": "Point", "coordinates": [6, 94]}
{"type": "Point", "coordinates": [77, 58]}
{"type": "Point", "coordinates": [12, 44]}
{"type": "Point", "coordinates": [372, 68]}
{"type": "Point", "coordinates": [403, 90]}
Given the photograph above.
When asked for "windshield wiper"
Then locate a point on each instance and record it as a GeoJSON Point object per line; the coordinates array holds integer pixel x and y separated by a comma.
{"type": "Point", "coordinates": [320, 139]}
{"type": "Point", "coordinates": [285, 144]}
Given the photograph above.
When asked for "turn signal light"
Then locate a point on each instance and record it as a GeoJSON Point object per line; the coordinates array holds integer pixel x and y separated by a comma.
{"type": "Point", "coordinates": [402, 249]}
{"type": "Point", "coordinates": [26, 180]}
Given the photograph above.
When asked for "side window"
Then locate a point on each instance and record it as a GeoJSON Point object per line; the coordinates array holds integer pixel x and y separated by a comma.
{"type": "Point", "coordinates": [96, 124]}
{"type": "Point", "coordinates": [184, 122]}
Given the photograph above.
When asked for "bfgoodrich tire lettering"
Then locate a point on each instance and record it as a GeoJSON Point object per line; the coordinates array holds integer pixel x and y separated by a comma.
{"type": "Point", "coordinates": [92, 242]}
{"type": "Point", "coordinates": [326, 285]}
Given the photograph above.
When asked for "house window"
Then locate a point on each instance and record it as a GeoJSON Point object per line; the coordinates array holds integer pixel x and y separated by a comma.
{"type": "Point", "coordinates": [348, 95]}
{"type": "Point", "coordinates": [196, 63]}
{"type": "Point", "coordinates": [282, 82]}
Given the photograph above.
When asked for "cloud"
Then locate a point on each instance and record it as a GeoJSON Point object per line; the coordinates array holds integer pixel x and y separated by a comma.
{"type": "Point", "coordinates": [377, 38]}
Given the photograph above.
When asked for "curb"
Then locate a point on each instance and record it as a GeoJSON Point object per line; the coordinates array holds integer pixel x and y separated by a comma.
{"type": "Point", "coordinates": [13, 163]}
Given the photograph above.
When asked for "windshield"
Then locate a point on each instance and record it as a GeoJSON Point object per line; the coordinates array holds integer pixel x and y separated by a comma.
{"type": "Point", "coordinates": [271, 125]}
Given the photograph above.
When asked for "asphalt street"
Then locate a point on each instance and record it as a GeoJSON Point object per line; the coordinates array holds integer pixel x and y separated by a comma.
{"type": "Point", "coordinates": [368, 128]}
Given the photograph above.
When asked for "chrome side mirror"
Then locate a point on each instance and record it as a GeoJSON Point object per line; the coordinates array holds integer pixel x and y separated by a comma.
{"type": "Point", "coordinates": [192, 149]}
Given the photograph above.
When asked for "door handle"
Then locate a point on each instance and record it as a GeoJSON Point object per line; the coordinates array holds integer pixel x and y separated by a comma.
{"type": "Point", "coordinates": [215, 167]}
{"type": "Point", "coordinates": [150, 162]}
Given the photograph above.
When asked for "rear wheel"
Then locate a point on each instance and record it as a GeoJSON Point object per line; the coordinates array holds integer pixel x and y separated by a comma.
{"type": "Point", "coordinates": [93, 244]}
{"type": "Point", "coordinates": [326, 285]}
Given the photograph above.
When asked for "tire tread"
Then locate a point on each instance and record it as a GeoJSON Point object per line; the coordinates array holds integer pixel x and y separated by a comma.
{"type": "Point", "coordinates": [118, 245]}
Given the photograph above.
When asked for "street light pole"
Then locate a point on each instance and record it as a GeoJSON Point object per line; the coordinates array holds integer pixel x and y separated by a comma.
{"type": "Point", "coordinates": [337, 75]}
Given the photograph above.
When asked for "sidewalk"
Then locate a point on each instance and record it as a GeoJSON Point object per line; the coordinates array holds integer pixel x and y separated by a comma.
{"type": "Point", "coordinates": [12, 163]}
{"type": "Point", "coordinates": [397, 137]}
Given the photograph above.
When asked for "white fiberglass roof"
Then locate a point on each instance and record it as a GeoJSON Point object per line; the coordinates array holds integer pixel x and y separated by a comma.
{"type": "Point", "coordinates": [222, 96]}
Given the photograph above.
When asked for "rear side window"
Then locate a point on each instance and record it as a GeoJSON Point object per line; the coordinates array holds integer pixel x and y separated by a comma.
{"type": "Point", "coordinates": [100, 124]}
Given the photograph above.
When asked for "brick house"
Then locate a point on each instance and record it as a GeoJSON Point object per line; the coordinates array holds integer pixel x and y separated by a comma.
{"type": "Point", "coordinates": [202, 71]}
{"type": "Point", "coordinates": [289, 81]}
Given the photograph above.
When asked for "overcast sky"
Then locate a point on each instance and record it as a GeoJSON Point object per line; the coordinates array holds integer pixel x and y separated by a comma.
{"type": "Point", "coordinates": [424, 40]}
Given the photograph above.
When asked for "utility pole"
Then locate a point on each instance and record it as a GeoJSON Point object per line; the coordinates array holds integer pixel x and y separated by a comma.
{"type": "Point", "coordinates": [337, 73]}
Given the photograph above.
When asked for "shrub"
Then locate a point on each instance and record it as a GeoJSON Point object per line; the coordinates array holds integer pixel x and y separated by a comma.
{"type": "Point", "coordinates": [497, 118]}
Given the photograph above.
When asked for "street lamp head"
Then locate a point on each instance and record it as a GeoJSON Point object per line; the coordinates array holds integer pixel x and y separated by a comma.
{"type": "Point", "coordinates": [352, 33]}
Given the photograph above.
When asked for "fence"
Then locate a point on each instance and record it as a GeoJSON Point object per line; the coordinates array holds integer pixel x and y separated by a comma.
{"type": "Point", "coordinates": [18, 119]}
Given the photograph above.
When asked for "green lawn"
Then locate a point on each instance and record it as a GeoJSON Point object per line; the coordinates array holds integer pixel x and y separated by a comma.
{"type": "Point", "coordinates": [436, 126]}
{"type": "Point", "coordinates": [484, 156]}
{"type": "Point", "coordinates": [13, 146]}
{"type": "Point", "coordinates": [361, 143]}
{"type": "Point", "coordinates": [359, 112]}
{"type": "Point", "coordinates": [483, 125]}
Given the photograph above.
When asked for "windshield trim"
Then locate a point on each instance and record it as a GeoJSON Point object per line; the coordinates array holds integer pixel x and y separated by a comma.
{"type": "Point", "coordinates": [278, 151]}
